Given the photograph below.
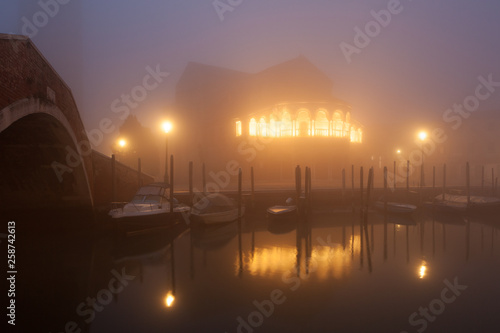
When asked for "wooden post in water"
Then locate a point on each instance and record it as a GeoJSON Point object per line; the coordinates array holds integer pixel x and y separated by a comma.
{"type": "Point", "coordinates": [482, 180]}
{"type": "Point", "coordinates": [309, 197]}
{"type": "Point", "coordinates": [306, 190]}
{"type": "Point", "coordinates": [444, 180]}
{"type": "Point", "coordinates": [369, 185]}
{"type": "Point", "coordinates": [171, 184]}
{"type": "Point", "coordinates": [113, 178]}
{"type": "Point", "coordinates": [467, 182]}
{"type": "Point", "coordinates": [433, 178]}
{"type": "Point", "coordinates": [203, 179]}
{"type": "Point", "coordinates": [385, 189]}
{"type": "Point", "coordinates": [492, 181]}
{"type": "Point", "coordinates": [496, 187]}
{"type": "Point", "coordinates": [408, 176]}
{"type": "Point", "coordinates": [252, 181]}
{"type": "Point", "coordinates": [352, 186]}
{"type": "Point", "coordinates": [361, 187]}
{"type": "Point", "coordinates": [191, 182]}
{"type": "Point", "coordinates": [297, 187]}
{"type": "Point", "coordinates": [139, 173]}
{"type": "Point", "coordinates": [343, 186]}
{"type": "Point", "coordinates": [394, 175]}
{"type": "Point", "coordinates": [239, 191]}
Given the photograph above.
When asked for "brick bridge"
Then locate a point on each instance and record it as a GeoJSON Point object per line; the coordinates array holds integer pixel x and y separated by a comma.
{"type": "Point", "coordinates": [46, 159]}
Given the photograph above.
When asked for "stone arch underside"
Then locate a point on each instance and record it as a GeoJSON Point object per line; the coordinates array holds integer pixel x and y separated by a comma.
{"type": "Point", "coordinates": [33, 135]}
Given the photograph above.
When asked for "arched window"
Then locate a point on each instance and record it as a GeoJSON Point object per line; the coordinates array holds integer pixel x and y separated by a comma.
{"type": "Point", "coordinates": [303, 123]}
{"type": "Point", "coordinates": [347, 125]}
{"type": "Point", "coordinates": [273, 128]}
{"type": "Point", "coordinates": [286, 124]}
{"type": "Point", "coordinates": [321, 124]}
{"type": "Point", "coordinates": [354, 134]}
{"type": "Point", "coordinates": [263, 127]}
{"type": "Point", "coordinates": [252, 129]}
{"type": "Point", "coordinates": [338, 124]}
{"type": "Point", "coordinates": [238, 128]}
{"type": "Point", "coordinates": [360, 135]}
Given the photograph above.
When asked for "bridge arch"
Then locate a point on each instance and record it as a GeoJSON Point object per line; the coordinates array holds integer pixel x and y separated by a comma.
{"type": "Point", "coordinates": [36, 136]}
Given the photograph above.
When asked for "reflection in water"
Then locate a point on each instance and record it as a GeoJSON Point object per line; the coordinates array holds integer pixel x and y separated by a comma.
{"type": "Point", "coordinates": [247, 262]}
{"type": "Point", "coordinates": [328, 260]}
{"type": "Point", "coordinates": [169, 299]}
{"type": "Point", "coordinates": [423, 269]}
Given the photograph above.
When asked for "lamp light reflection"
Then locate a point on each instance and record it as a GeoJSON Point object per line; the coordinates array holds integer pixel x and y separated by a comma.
{"type": "Point", "coordinates": [169, 299]}
{"type": "Point", "coordinates": [422, 270]}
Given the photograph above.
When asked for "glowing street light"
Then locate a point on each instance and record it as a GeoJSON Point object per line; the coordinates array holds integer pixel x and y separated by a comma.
{"type": "Point", "coordinates": [167, 127]}
{"type": "Point", "coordinates": [422, 135]}
{"type": "Point", "coordinates": [122, 143]}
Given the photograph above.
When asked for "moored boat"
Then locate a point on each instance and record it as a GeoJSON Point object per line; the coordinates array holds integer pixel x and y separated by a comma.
{"type": "Point", "coordinates": [216, 208]}
{"type": "Point", "coordinates": [150, 207]}
{"type": "Point", "coordinates": [395, 207]}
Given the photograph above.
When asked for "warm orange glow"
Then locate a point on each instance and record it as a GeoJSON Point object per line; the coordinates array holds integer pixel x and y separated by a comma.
{"type": "Point", "coordinates": [325, 261]}
{"type": "Point", "coordinates": [238, 128]}
{"type": "Point", "coordinates": [169, 299]}
{"type": "Point", "coordinates": [166, 126]}
{"type": "Point", "coordinates": [304, 124]}
{"type": "Point", "coordinates": [398, 151]}
{"type": "Point", "coordinates": [422, 135]}
{"type": "Point", "coordinates": [122, 143]}
{"type": "Point", "coordinates": [422, 270]}
{"type": "Point", "coordinates": [252, 130]}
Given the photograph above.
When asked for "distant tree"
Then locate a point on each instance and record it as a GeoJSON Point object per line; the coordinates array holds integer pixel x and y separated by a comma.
{"type": "Point", "coordinates": [138, 142]}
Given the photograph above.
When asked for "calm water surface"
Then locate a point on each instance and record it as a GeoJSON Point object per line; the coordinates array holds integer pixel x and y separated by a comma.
{"type": "Point", "coordinates": [325, 273]}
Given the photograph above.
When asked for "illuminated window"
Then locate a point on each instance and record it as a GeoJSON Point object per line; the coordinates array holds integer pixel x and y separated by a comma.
{"type": "Point", "coordinates": [262, 127]}
{"type": "Point", "coordinates": [273, 128]}
{"type": "Point", "coordinates": [354, 134]}
{"type": "Point", "coordinates": [252, 130]}
{"type": "Point", "coordinates": [321, 124]}
{"type": "Point", "coordinates": [238, 128]}
{"type": "Point", "coordinates": [338, 124]}
{"type": "Point", "coordinates": [360, 135]}
{"type": "Point", "coordinates": [303, 124]}
{"type": "Point", "coordinates": [286, 124]}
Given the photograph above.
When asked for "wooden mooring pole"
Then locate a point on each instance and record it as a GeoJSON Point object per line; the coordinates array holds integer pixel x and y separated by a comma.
{"type": "Point", "coordinates": [203, 179]}
{"type": "Point", "coordinates": [139, 173]}
{"type": "Point", "coordinates": [467, 182]}
{"type": "Point", "coordinates": [252, 180]}
{"type": "Point", "coordinates": [191, 181]}
{"type": "Point", "coordinates": [444, 180]}
{"type": "Point", "coordinates": [171, 184]}
{"type": "Point", "coordinates": [239, 191]}
{"type": "Point", "coordinates": [113, 178]}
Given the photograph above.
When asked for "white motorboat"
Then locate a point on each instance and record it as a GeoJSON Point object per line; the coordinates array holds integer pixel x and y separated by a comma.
{"type": "Point", "coordinates": [149, 207]}
{"type": "Point", "coordinates": [216, 208]}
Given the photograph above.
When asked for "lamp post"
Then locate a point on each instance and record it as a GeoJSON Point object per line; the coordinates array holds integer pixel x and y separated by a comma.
{"type": "Point", "coordinates": [167, 127]}
{"type": "Point", "coordinates": [422, 136]}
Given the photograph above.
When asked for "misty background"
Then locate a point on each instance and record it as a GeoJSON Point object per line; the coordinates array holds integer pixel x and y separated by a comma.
{"type": "Point", "coordinates": [426, 59]}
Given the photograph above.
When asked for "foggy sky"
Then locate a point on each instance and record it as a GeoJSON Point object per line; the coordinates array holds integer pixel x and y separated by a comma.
{"type": "Point", "coordinates": [428, 57]}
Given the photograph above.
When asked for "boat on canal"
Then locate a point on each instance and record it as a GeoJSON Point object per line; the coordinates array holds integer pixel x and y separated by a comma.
{"type": "Point", "coordinates": [215, 208]}
{"type": "Point", "coordinates": [395, 207]}
{"type": "Point", "coordinates": [150, 207]}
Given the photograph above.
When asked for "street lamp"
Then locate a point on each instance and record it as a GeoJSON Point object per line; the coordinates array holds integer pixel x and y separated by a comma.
{"type": "Point", "coordinates": [422, 136]}
{"type": "Point", "coordinates": [122, 143]}
{"type": "Point", "coordinates": [167, 127]}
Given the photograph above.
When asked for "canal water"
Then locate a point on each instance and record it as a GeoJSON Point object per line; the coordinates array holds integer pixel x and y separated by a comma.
{"type": "Point", "coordinates": [328, 272]}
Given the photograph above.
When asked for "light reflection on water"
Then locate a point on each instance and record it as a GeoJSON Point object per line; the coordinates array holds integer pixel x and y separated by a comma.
{"type": "Point", "coordinates": [332, 273]}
